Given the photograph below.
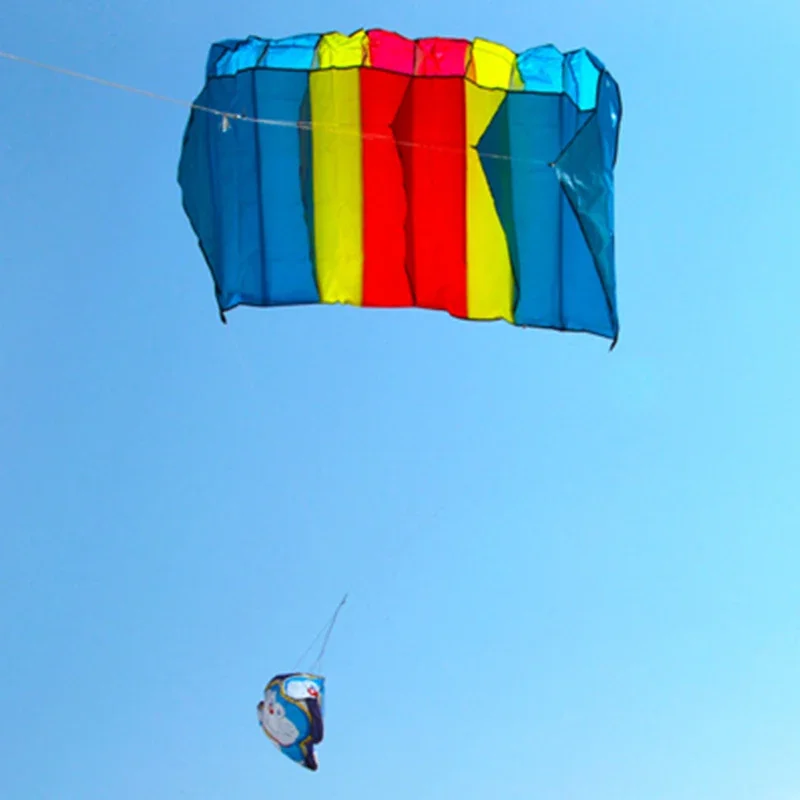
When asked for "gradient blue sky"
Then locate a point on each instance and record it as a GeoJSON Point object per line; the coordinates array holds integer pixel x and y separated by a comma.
{"type": "Point", "coordinates": [574, 574]}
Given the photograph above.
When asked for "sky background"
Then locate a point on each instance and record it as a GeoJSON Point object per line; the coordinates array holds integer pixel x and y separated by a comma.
{"type": "Point", "coordinates": [574, 574]}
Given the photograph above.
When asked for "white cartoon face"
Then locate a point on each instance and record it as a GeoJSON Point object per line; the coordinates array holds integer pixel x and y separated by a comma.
{"type": "Point", "coordinates": [272, 716]}
{"type": "Point", "coordinates": [302, 689]}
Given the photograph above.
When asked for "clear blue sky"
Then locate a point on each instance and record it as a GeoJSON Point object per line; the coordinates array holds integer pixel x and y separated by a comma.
{"type": "Point", "coordinates": [574, 574]}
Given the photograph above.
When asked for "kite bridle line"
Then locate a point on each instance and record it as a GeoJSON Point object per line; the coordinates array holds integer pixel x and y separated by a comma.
{"type": "Point", "coordinates": [317, 664]}
{"type": "Point", "coordinates": [227, 116]}
{"type": "Point", "coordinates": [326, 632]}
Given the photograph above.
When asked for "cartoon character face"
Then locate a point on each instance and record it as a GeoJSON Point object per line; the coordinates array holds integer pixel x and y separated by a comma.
{"type": "Point", "coordinates": [302, 689]}
{"type": "Point", "coordinates": [272, 716]}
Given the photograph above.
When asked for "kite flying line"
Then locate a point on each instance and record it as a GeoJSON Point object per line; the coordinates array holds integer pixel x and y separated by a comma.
{"type": "Point", "coordinates": [227, 116]}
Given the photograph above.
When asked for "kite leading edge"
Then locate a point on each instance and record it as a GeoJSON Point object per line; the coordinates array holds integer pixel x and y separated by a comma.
{"type": "Point", "coordinates": [376, 170]}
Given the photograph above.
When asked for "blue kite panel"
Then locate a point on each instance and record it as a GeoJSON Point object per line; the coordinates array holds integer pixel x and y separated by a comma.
{"type": "Point", "coordinates": [556, 219]}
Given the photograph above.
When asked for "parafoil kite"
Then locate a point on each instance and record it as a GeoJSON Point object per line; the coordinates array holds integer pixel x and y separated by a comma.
{"type": "Point", "coordinates": [291, 715]}
{"type": "Point", "coordinates": [375, 170]}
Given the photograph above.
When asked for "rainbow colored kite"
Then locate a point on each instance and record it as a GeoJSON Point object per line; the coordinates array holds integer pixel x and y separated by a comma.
{"type": "Point", "coordinates": [375, 170]}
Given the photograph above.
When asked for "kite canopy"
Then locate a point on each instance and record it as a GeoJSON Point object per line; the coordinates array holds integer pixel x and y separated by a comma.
{"type": "Point", "coordinates": [291, 715]}
{"type": "Point", "coordinates": [375, 170]}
